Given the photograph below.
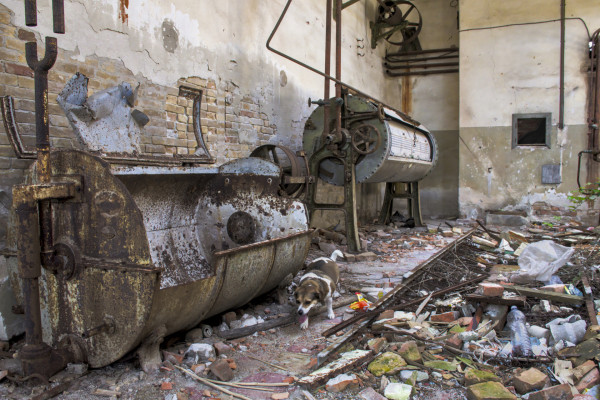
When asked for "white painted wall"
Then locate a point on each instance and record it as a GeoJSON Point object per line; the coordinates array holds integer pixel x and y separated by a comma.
{"type": "Point", "coordinates": [509, 63]}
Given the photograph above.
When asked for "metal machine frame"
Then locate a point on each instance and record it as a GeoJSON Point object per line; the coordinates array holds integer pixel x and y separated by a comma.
{"type": "Point", "coordinates": [333, 141]}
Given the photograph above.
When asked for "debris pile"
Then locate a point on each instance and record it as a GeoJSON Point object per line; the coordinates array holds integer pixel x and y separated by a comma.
{"type": "Point", "coordinates": [496, 315]}
{"type": "Point", "coordinates": [491, 315]}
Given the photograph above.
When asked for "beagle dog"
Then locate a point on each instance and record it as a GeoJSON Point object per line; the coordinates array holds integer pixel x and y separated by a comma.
{"type": "Point", "coordinates": [318, 286]}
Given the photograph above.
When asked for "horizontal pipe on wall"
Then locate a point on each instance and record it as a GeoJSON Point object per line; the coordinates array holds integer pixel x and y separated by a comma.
{"type": "Point", "coordinates": [441, 71]}
{"type": "Point", "coordinates": [419, 52]}
{"type": "Point", "coordinates": [394, 67]}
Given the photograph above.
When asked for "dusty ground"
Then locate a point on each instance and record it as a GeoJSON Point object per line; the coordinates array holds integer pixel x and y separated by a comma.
{"type": "Point", "coordinates": [269, 356]}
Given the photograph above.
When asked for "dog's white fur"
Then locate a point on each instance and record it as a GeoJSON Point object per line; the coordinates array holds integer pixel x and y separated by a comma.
{"type": "Point", "coordinates": [308, 294]}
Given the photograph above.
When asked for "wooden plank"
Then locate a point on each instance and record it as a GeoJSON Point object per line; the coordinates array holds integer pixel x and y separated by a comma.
{"type": "Point", "coordinates": [589, 300]}
{"type": "Point", "coordinates": [346, 362]}
{"type": "Point", "coordinates": [544, 294]}
{"type": "Point", "coordinates": [505, 301]}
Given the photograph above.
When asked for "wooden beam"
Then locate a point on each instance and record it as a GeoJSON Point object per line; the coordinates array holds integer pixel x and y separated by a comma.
{"type": "Point", "coordinates": [544, 294]}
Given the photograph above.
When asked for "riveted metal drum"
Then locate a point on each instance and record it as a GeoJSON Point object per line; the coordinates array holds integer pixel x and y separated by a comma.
{"type": "Point", "coordinates": [390, 147]}
{"type": "Point", "coordinates": [151, 251]}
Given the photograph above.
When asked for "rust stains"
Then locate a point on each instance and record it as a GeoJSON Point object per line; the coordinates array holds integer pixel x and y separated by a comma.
{"type": "Point", "coordinates": [123, 6]}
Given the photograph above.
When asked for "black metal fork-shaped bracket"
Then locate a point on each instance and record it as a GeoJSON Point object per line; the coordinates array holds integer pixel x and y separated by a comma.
{"type": "Point", "coordinates": [58, 14]}
{"type": "Point", "coordinates": [40, 69]}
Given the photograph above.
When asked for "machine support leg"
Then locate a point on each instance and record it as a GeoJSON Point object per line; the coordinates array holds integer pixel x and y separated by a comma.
{"type": "Point", "coordinates": [388, 204]}
{"type": "Point", "coordinates": [37, 357]}
{"type": "Point", "coordinates": [411, 194]}
{"type": "Point", "coordinates": [414, 203]}
{"type": "Point", "coordinates": [350, 205]}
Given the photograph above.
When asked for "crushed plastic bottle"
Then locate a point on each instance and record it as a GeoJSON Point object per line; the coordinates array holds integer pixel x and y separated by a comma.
{"type": "Point", "coordinates": [521, 345]}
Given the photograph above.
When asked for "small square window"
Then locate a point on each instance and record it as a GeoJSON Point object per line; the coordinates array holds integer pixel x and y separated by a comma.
{"type": "Point", "coordinates": [531, 130]}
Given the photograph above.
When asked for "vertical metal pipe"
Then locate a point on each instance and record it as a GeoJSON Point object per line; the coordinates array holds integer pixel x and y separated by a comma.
{"type": "Point", "coordinates": [58, 16]}
{"type": "Point", "coordinates": [561, 101]}
{"type": "Point", "coordinates": [593, 110]}
{"type": "Point", "coordinates": [30, 12]}
{"type": "Point", "coordinates": [40, 69]}
{"type": "Point", "coordinates": [28, 253]}
{"type": "Point", "coordinates": [338, 63]}
{"type": "Point", "coordinates": [326, 94]}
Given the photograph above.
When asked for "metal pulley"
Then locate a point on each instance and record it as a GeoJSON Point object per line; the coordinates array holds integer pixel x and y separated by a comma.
{"type": "Point", "coordinates": [294, 171]}
{"type": "Point", "coordinates": [399, 22]}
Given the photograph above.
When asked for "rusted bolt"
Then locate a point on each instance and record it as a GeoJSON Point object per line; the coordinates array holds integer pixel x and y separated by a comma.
{"type": "Point", "coordinates": [269, 180]}
{"type": "Point", "coordinates": [227, 181]}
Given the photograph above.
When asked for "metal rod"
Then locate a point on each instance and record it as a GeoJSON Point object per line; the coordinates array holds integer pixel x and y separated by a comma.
{"type": "Point", "coordinates": [30, 12]}
{"type": "Point", "coordinates": [593, 108]}
{"type": "Point", "coordinates": [561, 101]}
{"type": "Point", "coordinates": [58, 16]}
{"type": "Point", "coordinates": [338, 65]}
{"type": "Point", "coordinates": [326, 95]}
{"type": "Point", "coordinates": [316, 71]}
{"type": "Point", "coordinates": [393, 67]}
{"type": "Point", "coordinates": [579, 164]}
{"type": "Point", "coordinates": [389, 60]}
{"type": "Point", "coordinates": [40, 69]}
{"type": "Point", "coordinates": [419, 52]}
{"type": "Point", "coordinates": [441, 71]}
{"type": "Point", "coordinates": [348, 3]}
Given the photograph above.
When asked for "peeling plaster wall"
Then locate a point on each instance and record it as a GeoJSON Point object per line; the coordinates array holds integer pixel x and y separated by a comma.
{"type": "Point", "coordinates": [515, 69]}
{"type": "Point", "coordinates": [219, 44]}
{"type": "Point", "coordinates": [223, 41]}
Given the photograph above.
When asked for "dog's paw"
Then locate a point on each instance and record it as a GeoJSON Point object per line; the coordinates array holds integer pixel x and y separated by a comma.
{"type": "Point", "coordinates": [331, 315]}
{"type": "Point", "coordinates": [304, 325]}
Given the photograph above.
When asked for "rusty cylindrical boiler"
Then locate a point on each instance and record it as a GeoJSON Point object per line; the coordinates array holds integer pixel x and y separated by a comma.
{"type": "Point", "coordinates": [145, 253]}
{"type": "Point", "coordinates": [390, 148]}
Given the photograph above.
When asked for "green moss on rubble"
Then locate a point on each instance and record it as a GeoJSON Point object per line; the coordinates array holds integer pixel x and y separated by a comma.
{"type": "Point", "coordinates": [388, 363]}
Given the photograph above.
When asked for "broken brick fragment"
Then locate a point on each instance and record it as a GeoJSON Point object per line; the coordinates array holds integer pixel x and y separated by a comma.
{"type": "Point", "coordinates": [377, 344]}
{"type": "Point", "coordinates": [370, 394]}
{"type": "Point", "coordinates": [580, 371]}
{"type": "Point", "coordinates": [449, 316]}
{"type": "Point", "coordinates": [409, 351]}
{"type": "Point", "coordinates": [529, 380]}
{"type": "Point", "coordinates": [489, 391]}
{"type": "Point", "coordinates": [221, 370]}
{"type": "Point", "coordinates": [173, 358]}
{"type": "Point", "coordinates": [559, 392]}
{"type": "Point", "coordinates": [341, 383]}
{"type": "Point", "coordinates": [166, 386]}
{"type": "Point", "coordinates": [592, 378]}
{"type": "Point", "coordinates": [490, 289]}
{"type": "Point", "coordinates": [222, 348]}
{"type": "Point", "coordinates": [455, 341]}
{"type": "Point", "coordinates": [474, 376]}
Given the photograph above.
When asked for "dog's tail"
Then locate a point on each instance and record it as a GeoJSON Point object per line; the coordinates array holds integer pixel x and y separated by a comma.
{"type": "Point", "coordinates": [336, 254]}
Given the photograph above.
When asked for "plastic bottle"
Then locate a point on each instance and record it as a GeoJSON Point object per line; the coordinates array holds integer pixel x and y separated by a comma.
{"type": "Point", "coordinates": [518, 333]}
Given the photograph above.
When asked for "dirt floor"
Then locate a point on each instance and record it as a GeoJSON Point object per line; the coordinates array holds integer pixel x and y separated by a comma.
{"type": "Point", "coordinates": [274, 355]}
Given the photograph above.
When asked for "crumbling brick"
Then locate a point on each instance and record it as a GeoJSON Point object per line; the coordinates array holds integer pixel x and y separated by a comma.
{"type": "Point", "coordinates": [559, 392]}
{"type": "Point", "coordinates": [221, 370]}
{"type": "Point", "coordinates": [529, 380]}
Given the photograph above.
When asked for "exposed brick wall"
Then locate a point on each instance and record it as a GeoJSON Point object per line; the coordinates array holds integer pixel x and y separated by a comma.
{"type": "Point", "coordinates": [545, 212]}
{"type": "Point", "coordinates": [232, 121]}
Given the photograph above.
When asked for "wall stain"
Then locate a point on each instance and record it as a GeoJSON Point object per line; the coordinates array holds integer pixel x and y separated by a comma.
{"type": "Point", "coordinates": [123, 6]}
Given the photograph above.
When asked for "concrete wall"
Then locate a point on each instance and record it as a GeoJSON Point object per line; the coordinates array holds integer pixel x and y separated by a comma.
{"type": "Point", "coordinates": [433, 100]}
{"type": "Point", "coordinates": [509, 63]}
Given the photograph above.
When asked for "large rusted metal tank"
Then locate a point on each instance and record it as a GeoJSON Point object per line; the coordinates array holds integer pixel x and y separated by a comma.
{"type": "Point", "coordinates": [148, 252]}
